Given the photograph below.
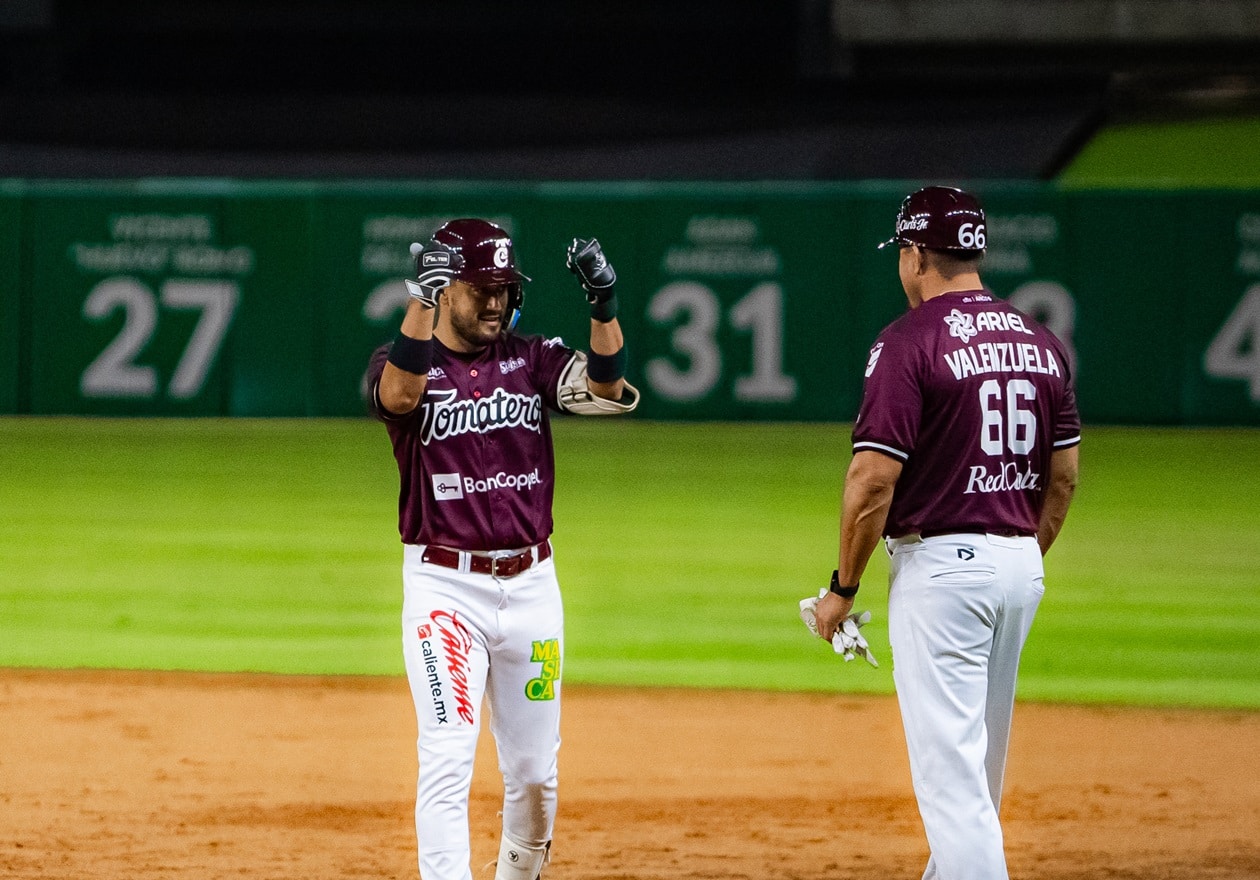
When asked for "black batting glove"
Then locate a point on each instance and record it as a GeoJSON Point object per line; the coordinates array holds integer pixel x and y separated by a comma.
{"type": "Point", "coordinates": [586, 260]}
{"type": "Point", "coordinates": [436, 267]}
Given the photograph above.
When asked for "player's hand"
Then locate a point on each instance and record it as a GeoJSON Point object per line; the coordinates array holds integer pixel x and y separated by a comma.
{"type": "Point", "coordinates": [829, 618]}
{"type": "Point", "coordinates": [586, 260]}
{"type": "Point", "coordinates": [829, 613]}
{"type": "Point", "coordinates": [436, 267]}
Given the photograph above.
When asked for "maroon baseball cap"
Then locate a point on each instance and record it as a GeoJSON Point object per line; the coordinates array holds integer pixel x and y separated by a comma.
{"type": "Point", "coordinates": [941, 218]}
{"type": "Point", "coordinates": [488, 255]}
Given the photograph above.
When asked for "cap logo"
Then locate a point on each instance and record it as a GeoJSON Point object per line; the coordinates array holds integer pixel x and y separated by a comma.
{"type": "Point", "coordinates": [436, 259]}
{"type": "Point", "coordinates": [915, 224]}
{"type": "Point", "coordinates": [501, 255]}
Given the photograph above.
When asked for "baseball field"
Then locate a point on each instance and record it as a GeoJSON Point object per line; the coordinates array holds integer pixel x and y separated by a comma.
{"type": "Point", "coordinates": [200, 669]}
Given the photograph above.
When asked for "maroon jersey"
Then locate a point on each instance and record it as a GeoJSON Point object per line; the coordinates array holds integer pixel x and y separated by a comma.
{"type": "Point", "coordinates": [973, 397]}
{"type": "Point", "coordinates": [475, 457]}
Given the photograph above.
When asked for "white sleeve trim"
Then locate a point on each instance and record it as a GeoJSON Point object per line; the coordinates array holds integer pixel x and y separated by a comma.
{"type": "Point", "coordinates": [1070, 441]}
{"type": "Point", "coordinates": [880, 447]}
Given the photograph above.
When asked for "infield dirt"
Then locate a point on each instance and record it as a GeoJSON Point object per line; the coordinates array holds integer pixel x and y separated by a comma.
{"type": "Point", "coordinates": [139, 775]}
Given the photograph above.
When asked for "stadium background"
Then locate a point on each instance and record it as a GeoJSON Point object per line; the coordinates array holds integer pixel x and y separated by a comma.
{"type": "Point", "coordinates": [199, 199]}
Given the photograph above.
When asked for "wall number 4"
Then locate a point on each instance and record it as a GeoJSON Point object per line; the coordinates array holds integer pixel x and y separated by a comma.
{"type": "Point", "coordinates": [1234, 353]}
{"type": "Point", "coordinates": [115, 373]}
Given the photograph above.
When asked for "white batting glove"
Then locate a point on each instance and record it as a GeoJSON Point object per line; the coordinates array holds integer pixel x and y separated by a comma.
{"type": "Point", "coordinates": [848, 640]}
{"type": "Point", "coordinates": [436, 265]}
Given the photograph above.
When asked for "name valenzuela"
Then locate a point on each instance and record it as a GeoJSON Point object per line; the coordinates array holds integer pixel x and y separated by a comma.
{"type": "Point", "coordinates": [1001, 357]}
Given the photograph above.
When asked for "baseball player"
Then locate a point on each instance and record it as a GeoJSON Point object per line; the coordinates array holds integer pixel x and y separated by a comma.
{"type": "Point", "coordinates": [964, 463]}
{"type": "Point", "coordinates": [465, 401]}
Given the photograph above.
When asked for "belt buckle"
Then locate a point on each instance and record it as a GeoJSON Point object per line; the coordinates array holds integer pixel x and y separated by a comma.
{"type": "Point", "coordinates": [494, 566]}
{"type": "Point", "coordinates": [522, 561]}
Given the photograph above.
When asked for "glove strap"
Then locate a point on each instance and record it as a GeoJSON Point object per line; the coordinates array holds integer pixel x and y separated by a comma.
{"type": "Point", "coordinates": [842, 592]}
{"type": "Point", "coordinates": [605, 310]}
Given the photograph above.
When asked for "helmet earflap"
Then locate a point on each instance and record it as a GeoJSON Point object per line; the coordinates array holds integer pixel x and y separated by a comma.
{"type": "Point", "coordinates": [515, 300]}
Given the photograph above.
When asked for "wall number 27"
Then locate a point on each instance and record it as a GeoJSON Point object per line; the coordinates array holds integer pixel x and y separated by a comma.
{"type": "Point", "coordinates": [115, 372]}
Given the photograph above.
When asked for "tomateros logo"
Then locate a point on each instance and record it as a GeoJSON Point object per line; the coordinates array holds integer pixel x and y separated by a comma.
{"type": "Point", "coordinates": [443, 416]}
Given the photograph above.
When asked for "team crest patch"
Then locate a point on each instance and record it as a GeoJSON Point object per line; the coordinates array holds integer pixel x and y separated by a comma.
{"type": "Point", "coordinates": [960, 325]}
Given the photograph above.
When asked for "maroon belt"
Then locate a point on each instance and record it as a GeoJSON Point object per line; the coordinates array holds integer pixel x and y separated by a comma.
{"type": "Point", "coordinates": [495, 566]}
{"type": "Point", "coordinates": [1005, 533]}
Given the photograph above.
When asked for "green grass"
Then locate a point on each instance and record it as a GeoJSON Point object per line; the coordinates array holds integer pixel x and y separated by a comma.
{"type": "Point", "coordinates": [1196, 153]}
{"type": "Point", "coordinates": [682, 550]}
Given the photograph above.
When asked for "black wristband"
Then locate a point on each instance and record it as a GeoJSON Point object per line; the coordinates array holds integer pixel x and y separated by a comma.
{"type": "Point", "coordinates": [604, 310]}
{"type": "Point", "coordinates": [606, 367]}
{"type": "Point", "coordinates": [842, 592]}
{"type": "Point", "coordinates": [411, 355]}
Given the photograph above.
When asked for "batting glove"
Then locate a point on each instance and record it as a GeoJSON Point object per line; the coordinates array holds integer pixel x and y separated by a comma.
{"type": "Point", "coordinates": [436, 267]}
{"type": "Point", "coordinates": [848, 640]}
{"type": "Point", "coordinates": [586, 260]}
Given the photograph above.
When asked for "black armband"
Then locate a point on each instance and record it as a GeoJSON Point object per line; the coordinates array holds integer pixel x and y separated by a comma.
{"type": "Point", "coordinates": [604, 310]}
{"type": "Point", "coordinates": [411, 355]}
{"type": "Point", "coordinates": [842, 592]}
{"type": "Point", "coordinates": [606, 367]}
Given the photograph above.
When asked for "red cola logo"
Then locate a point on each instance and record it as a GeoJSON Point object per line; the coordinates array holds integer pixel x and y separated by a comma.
{"type": "Point", "coordinates": [456, 643]}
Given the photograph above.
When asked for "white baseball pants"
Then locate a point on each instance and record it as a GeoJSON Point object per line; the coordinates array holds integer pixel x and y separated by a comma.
{"type": "Point", "coordinates": [959, 610]}
{"type": "Point", "coordinates": [467, 636]}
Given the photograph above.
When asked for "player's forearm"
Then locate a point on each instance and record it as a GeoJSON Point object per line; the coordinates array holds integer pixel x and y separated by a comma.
{"type": "Point", "coordinates": [1061, 486]}
{"type": "Point", "coordinates": [401, 389]}
{"type": "Point", "coordinates": [606, 339]}
{"type": "Point", "coordinates": [868, 492]}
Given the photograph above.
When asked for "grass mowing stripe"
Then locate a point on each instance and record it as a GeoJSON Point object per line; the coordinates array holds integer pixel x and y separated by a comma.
{"type": "Point", "coordinates": [682, 549]}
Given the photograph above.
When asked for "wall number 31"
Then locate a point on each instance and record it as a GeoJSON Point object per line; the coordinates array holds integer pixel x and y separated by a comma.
{"type": "Point", "coordinates": [760, 312]}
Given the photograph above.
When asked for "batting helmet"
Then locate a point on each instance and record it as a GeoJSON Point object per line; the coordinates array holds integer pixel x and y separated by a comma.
{"type": "Point", "coordinates": [941, 218]}
{"type": "Point", "coordinates": [486, 257]}
{"type": "Point", "coordinates": [486, 251]}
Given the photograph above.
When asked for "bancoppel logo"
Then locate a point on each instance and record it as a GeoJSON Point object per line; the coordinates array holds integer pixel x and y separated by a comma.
{"type": "Point", "coordinates": [437, 373]}
{"type": "Point", "coordinates": [519, 482]}
{"type": "Point", "coordinates": [511, 365]}
{"type": "Point", "coordinates": [447, 487]}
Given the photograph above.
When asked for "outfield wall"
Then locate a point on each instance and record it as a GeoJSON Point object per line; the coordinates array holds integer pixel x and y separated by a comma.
{"type": "Point", "coordinates": [740, 301]}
